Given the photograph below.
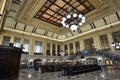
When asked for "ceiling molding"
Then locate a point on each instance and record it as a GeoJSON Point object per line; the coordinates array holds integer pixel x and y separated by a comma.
{"type": "Point", "coordinates": [28, 9]}
{"type": "Point", "coordinates": [32, 34]}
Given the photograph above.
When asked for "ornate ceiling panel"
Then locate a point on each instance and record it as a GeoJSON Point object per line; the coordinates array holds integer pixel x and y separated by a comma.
{"type": "Point", "coordinates": [53, 10]}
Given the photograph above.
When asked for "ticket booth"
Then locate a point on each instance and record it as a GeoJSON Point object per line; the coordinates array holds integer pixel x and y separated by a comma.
{"type": "Point", "coordinates": [9, 62]}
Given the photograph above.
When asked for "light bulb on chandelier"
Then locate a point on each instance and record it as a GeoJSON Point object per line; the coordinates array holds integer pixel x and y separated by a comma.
{"type": "Point", "coordinates": [72, 20]}
{"type": "Point", "coordinates": [73, 27]}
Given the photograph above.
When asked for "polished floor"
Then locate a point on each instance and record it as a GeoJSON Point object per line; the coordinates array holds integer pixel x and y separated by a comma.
{"type": "Point", "coordinates": [104, 74]}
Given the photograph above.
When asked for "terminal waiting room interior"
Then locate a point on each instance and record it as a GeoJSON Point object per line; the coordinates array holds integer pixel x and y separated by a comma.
{"type": "Point", "coordinates": [34, 39]}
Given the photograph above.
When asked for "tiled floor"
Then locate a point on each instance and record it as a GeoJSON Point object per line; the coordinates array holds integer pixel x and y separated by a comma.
{"type": "Point", "coordinates": [105, 74]}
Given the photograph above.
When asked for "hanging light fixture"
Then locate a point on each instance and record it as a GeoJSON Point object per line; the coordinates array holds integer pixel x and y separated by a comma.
{"type": "Point", "coordinates": [72, 20]}
{"type": "Point", "coordinates": [116, 44]}
{"type": "Point", "coordinates": [62, 53]}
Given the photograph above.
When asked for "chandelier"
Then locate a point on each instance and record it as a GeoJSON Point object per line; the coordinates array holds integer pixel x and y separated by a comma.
{"type": "Point", "coordinates": [62, 53]}
{"type": "Point", "coordinates": [116, 44]}
{"type": "Point", "coordinates": [72, 20]}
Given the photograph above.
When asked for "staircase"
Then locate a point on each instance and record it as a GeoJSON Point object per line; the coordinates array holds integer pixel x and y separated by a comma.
{"type": "Point", "coordinates": [73, 56]}
{"type": "Point", "coordinates": [104, 52]}
{"type": "Point", "coordinates": [109, 54]}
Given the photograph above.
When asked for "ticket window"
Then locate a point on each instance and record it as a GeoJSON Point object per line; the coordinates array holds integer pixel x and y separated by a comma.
{"type": "Point", "coordinates": [109, 62]}
{"type": "Point", "coordinates": [23, 63]}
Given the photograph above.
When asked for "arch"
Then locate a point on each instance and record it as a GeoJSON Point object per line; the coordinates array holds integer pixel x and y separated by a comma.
{"type": "Point", "coordinates": [37, 63]}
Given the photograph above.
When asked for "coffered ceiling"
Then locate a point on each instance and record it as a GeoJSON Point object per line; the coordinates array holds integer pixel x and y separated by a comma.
{"type": "Point", "coordinates": [43, 17]}
{"type": "Point", "coordinates": [54, 10]}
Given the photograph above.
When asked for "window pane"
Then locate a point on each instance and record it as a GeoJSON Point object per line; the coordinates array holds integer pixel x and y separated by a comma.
{"type": "Point", "coordinates": [66, 49]}
{"type": "Point", "coordinates": [71, 48]}
{"type": "Point", "coordinates": [53, 49]}
{"type": "Point", "coordinates": [58, 51]}
{"type": "Point", "coordinates": [26, 46]}
{"type": "Point", "coordinates": [6, 41]}
{"type": "Point", "coordinates": [17, 42]}
{"type": "Point", "coordinates": [38, 47]}
{"type": "Point", "coordinates": [89, 44]}
{"type": "Point", "coordinates": [48, 49]}
{"type": "Point", "coordinates": [104, 41]}
{"type": "Point", "coordinates": [116, 36]}
{"type": "Point", "coordinates": [77, 46]}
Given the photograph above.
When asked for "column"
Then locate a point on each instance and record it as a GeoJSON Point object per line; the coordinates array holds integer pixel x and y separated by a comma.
{"type": "Point", "coordinates": [79, 46]}
{"type": "Point", "coordinates": [44, 44]}
{"type": "Point", "coordinates": [110, 40]}
{"type": "Point", "coordinates": [68, 49]}
{"type": "Point", "coordinates": [31, 48]}
{"type": "Point", "coordinates": [56, 49]}
{"type": "Point", "coordinates": [82, 45]}
{"type": "Point", "coordinates": [11, 39]}
{"type": "Point", "coordinates": [74, 47]}
{"type": "Point", "coordinates": [1, 38]}
{"type": "Point", "coordinates": [62, 47]}
{"type": "Point", "coordinates": [2, 13]}
{"type": "Point", "coordinates": [51, 49]}
{"type": "Point", "coordinates": [96, 40]}
{"type": "Point", "coordinates": [2, 6]}
{"type": "Point", "coordinates": [22, 41]}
